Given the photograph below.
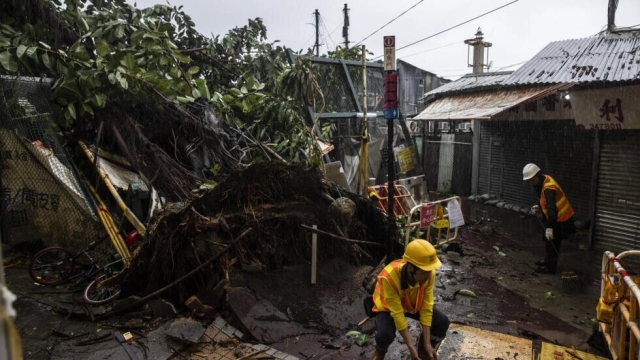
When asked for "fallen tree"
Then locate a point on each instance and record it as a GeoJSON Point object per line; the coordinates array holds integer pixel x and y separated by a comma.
{"type": "Point", "coordinates": [274, 200]}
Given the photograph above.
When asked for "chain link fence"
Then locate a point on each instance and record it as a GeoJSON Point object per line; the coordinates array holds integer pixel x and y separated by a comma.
{"type": "Point", "coordinates": [43, 202]}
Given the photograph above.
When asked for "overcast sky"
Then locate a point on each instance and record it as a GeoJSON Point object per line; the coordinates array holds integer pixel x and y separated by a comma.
{"type": "Point", "coordinates": [517, 31]}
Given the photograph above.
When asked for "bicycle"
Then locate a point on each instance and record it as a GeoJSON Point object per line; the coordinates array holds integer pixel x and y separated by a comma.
{"type": "Point", "coordinates": [54, 265]}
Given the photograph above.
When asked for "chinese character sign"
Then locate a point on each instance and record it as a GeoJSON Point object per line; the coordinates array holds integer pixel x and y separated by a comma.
{"type": "Point", "coordinates": [607, 109]}
{"type": "Point", "coordinates": [427, 215]}
{"type": "Point", "coordinates": [389, 53]}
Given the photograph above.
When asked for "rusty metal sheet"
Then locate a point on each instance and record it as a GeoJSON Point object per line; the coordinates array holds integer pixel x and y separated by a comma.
{"type": "Point", "coordinates": [466, 342]}
{"type": "Point", "coordinates": [483, 105]}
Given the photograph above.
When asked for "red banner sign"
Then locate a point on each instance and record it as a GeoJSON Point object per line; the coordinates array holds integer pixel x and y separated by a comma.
{"type": "Point", "coordinates": [427, 215]}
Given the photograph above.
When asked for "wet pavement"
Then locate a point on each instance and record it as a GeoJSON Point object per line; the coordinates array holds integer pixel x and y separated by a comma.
{"type": "Point", "coordinates": [284, 311]}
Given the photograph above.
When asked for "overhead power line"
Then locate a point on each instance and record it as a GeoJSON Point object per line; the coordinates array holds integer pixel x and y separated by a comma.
{"type": "Point", "coordinates": [453, 27]}
{"type": "Point", "coordinates": [432, 49]}
{"type": "Point", "coordinates": [392, 20]}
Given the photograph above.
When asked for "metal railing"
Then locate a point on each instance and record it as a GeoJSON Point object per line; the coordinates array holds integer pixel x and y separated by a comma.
{"type": "Point", "coordinates": [442, 222]}
{"type": "Point", "coordinates": [620, 298]}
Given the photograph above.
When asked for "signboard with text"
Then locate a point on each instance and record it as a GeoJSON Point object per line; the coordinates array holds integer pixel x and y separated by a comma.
{"type": "Point", "coordinates": [614, 108]}
{"type": "Point", "coordinates": [389, 53]}
{"type": "Point", "coordinates": [550, 107]}
{"type": "Point", "coordinates": [427, 215]}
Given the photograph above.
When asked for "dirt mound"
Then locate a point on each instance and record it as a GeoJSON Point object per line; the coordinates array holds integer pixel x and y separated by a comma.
{"type": "Point", "coordinates": [272, 200]}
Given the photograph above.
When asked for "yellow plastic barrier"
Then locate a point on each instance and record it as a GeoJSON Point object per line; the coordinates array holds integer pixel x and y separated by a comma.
{"type": "Point", "coordinates": [619, 302]}
{"type": "Point", "coordinates": [441, 223]}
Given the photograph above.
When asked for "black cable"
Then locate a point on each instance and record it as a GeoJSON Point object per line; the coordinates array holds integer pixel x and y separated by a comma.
{"type": "Point", "coordinates": [392, 20]}
{"type": "Point", "coordinates": [453, 27]}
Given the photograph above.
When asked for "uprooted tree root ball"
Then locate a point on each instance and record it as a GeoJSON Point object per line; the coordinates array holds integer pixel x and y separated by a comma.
{"type": "Point", "coordinates": [274, 200]}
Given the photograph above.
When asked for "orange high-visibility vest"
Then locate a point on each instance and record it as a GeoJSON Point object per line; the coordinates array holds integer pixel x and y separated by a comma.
{"type": "Point", "coordinates": [564, 209]}
{"type": "Point", "coordinates": [391, 273]}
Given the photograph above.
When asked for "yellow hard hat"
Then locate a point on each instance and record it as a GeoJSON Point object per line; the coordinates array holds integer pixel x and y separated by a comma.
{"type": "Point", "coordinates": [422, 254]}
{"type": "Point", "coordinates": [373, 193]}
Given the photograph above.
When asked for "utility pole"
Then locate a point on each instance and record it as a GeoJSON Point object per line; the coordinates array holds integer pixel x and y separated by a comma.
{"type": "Point", "coordinates": [345, 27]}
{"type": "Point", "coordinates": [390, 113]}
{"type": "Point", "coordinates": [317, 45]}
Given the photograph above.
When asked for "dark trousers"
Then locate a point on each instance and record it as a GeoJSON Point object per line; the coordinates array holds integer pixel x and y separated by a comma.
{"type": "Point", "coordinates": [387, 327]}
{"type": "Point", "coordinates": [552, 248]}
{"type": "Point", "coordinates": [552, 251]}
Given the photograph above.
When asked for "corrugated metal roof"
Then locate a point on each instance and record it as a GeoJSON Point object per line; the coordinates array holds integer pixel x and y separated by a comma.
{"type": "Point", "coordinates": [469, 82]}
{"type": "Point", "coordinates": [601, 58]}
{"type": "Point", "coordinates": [483, 105]}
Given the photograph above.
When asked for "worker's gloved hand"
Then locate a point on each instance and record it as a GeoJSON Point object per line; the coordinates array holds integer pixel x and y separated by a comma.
{"type": "Point", "coordinates": [535, 209]}
{"type": "Point", "coordinates": [548, 233]}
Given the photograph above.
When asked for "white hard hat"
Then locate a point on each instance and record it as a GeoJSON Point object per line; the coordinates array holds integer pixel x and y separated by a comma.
{"type": "Point", "coordinates": [530, 170]}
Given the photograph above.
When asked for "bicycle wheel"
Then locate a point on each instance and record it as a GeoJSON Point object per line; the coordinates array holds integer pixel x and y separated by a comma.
{"type": "Point", "coordinates": [101, 291]}
{"type": "Point", "coordinates": [51, 266]}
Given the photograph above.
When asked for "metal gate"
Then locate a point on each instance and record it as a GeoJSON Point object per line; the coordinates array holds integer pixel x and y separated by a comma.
{"type": "Point", "coordinates": [557, 146]}
{"type": "Point", "coordinates": [617, 217]}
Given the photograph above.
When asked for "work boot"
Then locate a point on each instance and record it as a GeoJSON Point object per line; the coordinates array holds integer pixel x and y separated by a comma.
{"type": "Point", "coordinates": [379, 354]}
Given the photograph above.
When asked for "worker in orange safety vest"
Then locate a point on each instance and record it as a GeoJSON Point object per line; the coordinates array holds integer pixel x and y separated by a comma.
{"type": "Point", "coordinates": [404, 288]}
{"type": "Point", "coordinates": [557, 215]}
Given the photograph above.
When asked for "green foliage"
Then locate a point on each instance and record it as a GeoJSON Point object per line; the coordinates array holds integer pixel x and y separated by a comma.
{"type": "Point", "coordinates": [352, 53]}
{"type": "Point", "coordinates": [109, 52]}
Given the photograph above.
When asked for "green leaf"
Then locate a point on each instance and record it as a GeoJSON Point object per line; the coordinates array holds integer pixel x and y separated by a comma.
{"type": "Point", "coordinates": [112, 78]}
{"type": "Point", "coordinates": [81, 55]}
{"type": "Point", "coordinates": [129, 62]}
{"type": "Point", "coordinates": [87, 108]}
{"type": "Point", "coordinates": [185, 99]}
{"type": "Point", "coordinates": [45, 45]}
{"type": "Point", "coordinates": [123, 83]}
{"type": "Point", "coordinates": [193, 70]}
{"type": "Point", "coordinates": [100, 100]}
{"type": "Point", "coordinates": [32, 52]}
{"type": "Point", "coordinates": [8, 61]}
{"type": "Point", "coordinates": [203, 89]}
{"type": "Point", "coordinates": [360, 338]}
{"type": "Point", "coordinates": [20, 51]}
{"type": "Point", "coordinates": [71, 111]}
{"type": "Point", "coordinates": [46, 61]}
{"type": "Point", "coordinates": [208, 185]}
{"type": "Point", "coordinates": [102, 48]}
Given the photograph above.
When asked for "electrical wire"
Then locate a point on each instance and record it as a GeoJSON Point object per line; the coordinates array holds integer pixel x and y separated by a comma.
{"type": "Point", "coordinates": [324, 25]}
{"type": "Point", "coordinates": [512, 65]}
{"type": "Point", "coordinates": [453, 27]}
{"type": "Point", "coordinates": [385, 25]}
{"type": "Point", "coordinates": [436, 48]}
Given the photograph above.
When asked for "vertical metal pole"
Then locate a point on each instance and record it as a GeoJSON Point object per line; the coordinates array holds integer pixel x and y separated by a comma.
{"type": "Point", "coordinates": [390, 113]}
{"type": "Point", "coordinates": [317, 33]}
{"type": "Point", "coordinates": [364, 151]}
{"type": "Point", "coordinates": [314, 255]}
{"type": "Point", "coordinates": [391, 188]}
{"type": "Point", "coordinates": [345, 27]}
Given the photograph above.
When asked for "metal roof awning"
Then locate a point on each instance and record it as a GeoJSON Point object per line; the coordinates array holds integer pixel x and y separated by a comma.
{"type": "Point", "coordinates": [484, 105]}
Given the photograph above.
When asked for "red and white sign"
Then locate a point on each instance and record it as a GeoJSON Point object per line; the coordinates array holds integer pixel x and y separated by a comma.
{"type": "Point", "coordinates": [427, 215]}
{"type": "Point", "coordinates": [389, 53]}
